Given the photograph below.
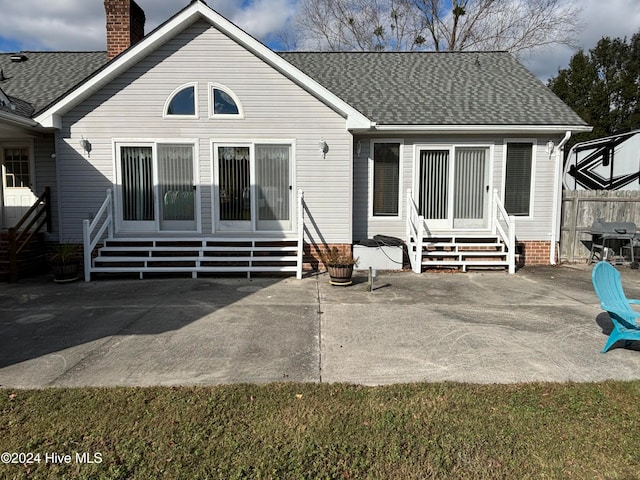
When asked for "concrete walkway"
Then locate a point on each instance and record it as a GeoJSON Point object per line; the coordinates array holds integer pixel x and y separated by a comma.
{"type": "Point", "coordinates": [542, 324]}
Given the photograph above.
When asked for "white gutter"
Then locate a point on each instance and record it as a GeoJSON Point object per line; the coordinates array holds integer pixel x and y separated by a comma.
{"type": "Point", "coordinates": [480, 128]}
{"type": "Point", "coordinates": [557, 195]}
{"type": "Point", "coordinates": [17, 120]}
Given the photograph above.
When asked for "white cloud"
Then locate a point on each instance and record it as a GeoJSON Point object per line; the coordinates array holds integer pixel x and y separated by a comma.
{"type": "Point", "coordinates": [264, 17]}
{"type": "Point", "coordinates": [80, 24]}
{"type": "Point", "coordinates": [613, 18]}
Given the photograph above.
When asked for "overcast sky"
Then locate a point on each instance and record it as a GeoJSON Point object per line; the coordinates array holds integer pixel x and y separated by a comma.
{"type": "Point", "coordinates": [80, 24]}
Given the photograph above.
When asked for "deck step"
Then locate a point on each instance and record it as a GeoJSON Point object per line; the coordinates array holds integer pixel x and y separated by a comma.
{"type": "Point", "coordinates": [467, 253]}
{"type": "Point", "coordinates": [196, 255]}
{"type": "Point", "coordinates": [464, 251]}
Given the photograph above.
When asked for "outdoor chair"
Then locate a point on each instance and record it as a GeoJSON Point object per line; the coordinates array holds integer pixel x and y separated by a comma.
{"type": "Point", "coordinates": [608, 287]}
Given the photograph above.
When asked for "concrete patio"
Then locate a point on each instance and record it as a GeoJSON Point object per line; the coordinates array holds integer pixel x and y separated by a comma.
{"type": "Point", "coordinates": [541, 324]}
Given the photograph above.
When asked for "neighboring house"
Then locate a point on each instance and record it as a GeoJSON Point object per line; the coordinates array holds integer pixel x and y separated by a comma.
{"type": "Point", "coordinates": [205, 137]}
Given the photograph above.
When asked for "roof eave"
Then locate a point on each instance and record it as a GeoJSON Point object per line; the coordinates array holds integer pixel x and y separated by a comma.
{"type": "Point", "coordinates": [17, 120]}
{"type": "Point", "coordinates": [456, 129]}
{"type": "Point", "coordinates": [51, 116]}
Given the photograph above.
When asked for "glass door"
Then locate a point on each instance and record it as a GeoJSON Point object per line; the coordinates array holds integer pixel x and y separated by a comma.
{"type": "Point", "coordinates": [253, 190]}
{"type": "Point", "coordinates": [137, 194]}
{"type": "Point", "coordinates": [234, 188]}
{"type": "Point", "coordinates": [176, 185]}
{"type": "Point", "coordinates": [17, 188]}
{"type": "Point", "coordinates": [156, 188]}
{"type": "Point", "coordinates": [453, 188]}
{"type": "Point", "coordinates": [434, 187]}
{"type": "Point", "coordinates": [273, 187]}
{"type": "Point", "coordinates": [471, 188]}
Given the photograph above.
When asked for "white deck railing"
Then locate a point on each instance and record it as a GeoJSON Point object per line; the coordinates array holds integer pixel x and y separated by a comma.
{"type": "Point", "coordinates": [300, 234]}
{"type": "Point", "coordinates": [415, 233]}
{"type": "Point", "coordinates": [103, 222]}
{"type": "Point", "coordinates": [504, 226]}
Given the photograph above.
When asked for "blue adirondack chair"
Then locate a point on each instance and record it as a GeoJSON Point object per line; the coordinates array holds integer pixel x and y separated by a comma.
{"type": "Point", "coordinates": [608, 287]}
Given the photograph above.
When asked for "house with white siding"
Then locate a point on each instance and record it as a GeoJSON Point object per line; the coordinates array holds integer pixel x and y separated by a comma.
{"type": "Point", "coordinates": [196, 148]}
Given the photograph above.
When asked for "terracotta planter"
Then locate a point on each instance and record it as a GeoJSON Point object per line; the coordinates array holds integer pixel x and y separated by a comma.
{"type": "Point", "coordinates": [340, 274]}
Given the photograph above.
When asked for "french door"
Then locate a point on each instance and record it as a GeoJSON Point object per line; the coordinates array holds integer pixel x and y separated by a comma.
{"type": "Point", "coordinates": [253, 187]}
{"type": "Point", "coordinates": [156, 188]}
{"type": "Point", "coordinates": [453, 187]}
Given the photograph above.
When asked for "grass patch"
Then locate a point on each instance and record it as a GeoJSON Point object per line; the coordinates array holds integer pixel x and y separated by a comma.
{"type": "Point", "coordinates": [310, 431]}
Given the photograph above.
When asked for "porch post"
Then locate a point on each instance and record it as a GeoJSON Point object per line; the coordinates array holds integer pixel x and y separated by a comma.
{"type": "Point", "coordinates": [111, 214]}
{"type": "Point", "coordinates": [512, 244]}
{"type": "Point", "coordinates": [86, 242]}
{"type": "Point", "coordinates": [494, 211]}
{"type": "Point", "coordinates": [418, 263]}
{"type": "Point", "coordinates": [300, 234]}
{"type": "Point", "coordinates": [408, 225]}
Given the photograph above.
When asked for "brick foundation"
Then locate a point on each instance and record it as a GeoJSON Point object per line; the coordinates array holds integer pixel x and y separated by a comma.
{"type": "Point", "coordinates": [533, 252]}
{"type": "Point", "coordinates": [313, 254]}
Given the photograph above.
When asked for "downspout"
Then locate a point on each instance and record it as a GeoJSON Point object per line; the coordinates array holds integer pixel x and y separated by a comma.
{"type": "Point", "coordinates": [557, 195]}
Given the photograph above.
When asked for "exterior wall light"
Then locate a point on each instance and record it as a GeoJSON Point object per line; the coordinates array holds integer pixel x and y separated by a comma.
{"type": "Point", "coordinates": [86, 146]}
{"type": "Point", "coordinates": [324, 148]}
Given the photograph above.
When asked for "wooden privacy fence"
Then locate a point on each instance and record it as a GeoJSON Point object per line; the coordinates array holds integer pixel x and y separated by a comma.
{"type": "Point", "coordinates": [580, 208]}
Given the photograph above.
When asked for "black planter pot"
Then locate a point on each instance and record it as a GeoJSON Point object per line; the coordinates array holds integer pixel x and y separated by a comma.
{"type": "Point", "coordinates": [65, 272]}
{"type": "Point", "coordinates": [340, 274]}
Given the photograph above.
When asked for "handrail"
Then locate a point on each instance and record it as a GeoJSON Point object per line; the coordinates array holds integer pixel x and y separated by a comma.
{"type": "Point", "coordinates": [300, 258]}
{"type": "Point", "coordinates": [19, 237]}
{"type": "Point", "coordinates": [509, 235]}
{"type": "Point", "coordinates": [415, 231]}
{"type": "Point", "coordinates": [106, 211]}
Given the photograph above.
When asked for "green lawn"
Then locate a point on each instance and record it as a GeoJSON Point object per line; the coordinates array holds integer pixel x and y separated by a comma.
{"type": "Point", "coordinates": [309, 431]}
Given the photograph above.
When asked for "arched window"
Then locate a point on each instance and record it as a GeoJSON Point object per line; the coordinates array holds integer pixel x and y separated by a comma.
{"type": "Point", "coordinates": [224, 102]}
{"type": "Point", "coordinates": [182, 102]}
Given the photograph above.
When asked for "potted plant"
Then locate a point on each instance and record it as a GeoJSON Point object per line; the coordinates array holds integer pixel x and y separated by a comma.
{"type": "Point", "coordinates": [339, 265]}
{"type": "Point", "coordinates": [65, 262]}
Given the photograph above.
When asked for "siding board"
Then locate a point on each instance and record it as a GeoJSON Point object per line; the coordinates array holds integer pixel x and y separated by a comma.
{"type": "Point", "coordinates": [537, 227]}
{"type": "Point", "coordinates": [131, 107]}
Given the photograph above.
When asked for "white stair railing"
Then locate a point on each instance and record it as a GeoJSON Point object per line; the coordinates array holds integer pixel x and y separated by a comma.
{"type": "Point", "coordinates": [103, 222]}
{"type": "Point", "coordinates": [504, 226]}
{"type": "Point", "coordinates": [415, 233]}
{"type": "Point", "coordinates": [300, 234]}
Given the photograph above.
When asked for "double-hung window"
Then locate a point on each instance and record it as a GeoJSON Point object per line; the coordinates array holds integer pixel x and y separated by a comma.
{"type": "Point", "coordinates": [518, 178]}
{"type": "Point", "coordinates": [386, 179]}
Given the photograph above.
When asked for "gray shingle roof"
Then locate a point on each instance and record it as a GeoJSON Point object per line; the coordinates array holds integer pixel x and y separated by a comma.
{"type": "Point", "coordinates": [436, 88]}
{"type": "Point", "coordinates": [390, 88]}
{"type": "Point", "coordinates": [34, 83]}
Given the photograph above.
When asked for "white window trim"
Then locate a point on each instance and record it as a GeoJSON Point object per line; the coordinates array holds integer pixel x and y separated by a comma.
{"type": "Point", "coordinates": [28, 144]}
{"type": "Point", "coordinates": [153, 143]}
{"type": "Point", "coordinates": [452, 148]}
{"type": "Point", "coordinates": [228, 91]}
{"type": "Point", "coordinates": [165, 113]}
{"type": "Point", "coordinates": [419, 147]}
{"type": "Point", "coordinates": [534, 153]}
{"type": "Point", "coordinates": [251, 143]}
{"type": "Point", "coordinates": [373, 217]}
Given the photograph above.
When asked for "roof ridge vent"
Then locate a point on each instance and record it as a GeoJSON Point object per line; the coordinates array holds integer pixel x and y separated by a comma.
{"type": "Point", "coordinates": [18, 58]}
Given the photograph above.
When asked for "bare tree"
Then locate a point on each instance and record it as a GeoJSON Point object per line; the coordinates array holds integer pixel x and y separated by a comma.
{"type": "Point", "coordinates": [515, 25]}
{"type": "Point", "coordinates": [365, 25]}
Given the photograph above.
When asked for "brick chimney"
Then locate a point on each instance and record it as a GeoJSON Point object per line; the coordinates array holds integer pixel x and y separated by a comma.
{"type": "Point", "coordinates": [125, 25]}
